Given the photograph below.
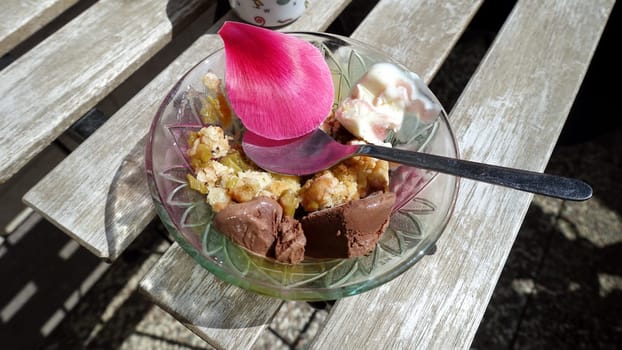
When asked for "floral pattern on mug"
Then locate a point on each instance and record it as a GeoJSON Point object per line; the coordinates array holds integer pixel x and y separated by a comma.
{"type": "Point", "coordinates": [269, 13]}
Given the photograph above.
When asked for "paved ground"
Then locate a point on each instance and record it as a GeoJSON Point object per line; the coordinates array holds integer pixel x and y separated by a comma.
{"type": "Point", "coordinates": [561, 286]}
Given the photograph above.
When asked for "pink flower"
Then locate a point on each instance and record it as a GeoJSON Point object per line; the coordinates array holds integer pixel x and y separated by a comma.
{"type": "Point", "coordinates": [279, 85]}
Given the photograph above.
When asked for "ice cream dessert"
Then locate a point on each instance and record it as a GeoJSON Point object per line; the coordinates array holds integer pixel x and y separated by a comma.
{"type": "Point", "coordinates": [340, 212]}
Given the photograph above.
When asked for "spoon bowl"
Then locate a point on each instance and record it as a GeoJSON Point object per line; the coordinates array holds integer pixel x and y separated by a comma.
{"type": "Point", "coordinates": [317, 151]}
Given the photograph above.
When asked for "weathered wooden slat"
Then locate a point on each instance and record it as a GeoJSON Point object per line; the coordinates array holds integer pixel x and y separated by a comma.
{"type": "Point", "coordinates": [19, 19]}
{"type": "Point", "coordinates": [225, 316]}
{"type": "Point", "coordinates": [47, 89]}
{"type": "Point", "coordinates": [510, 114]}
{"type": "Point", "coordinates": [98, 194]}
{"type": "Point", "coordinates": [418, 33]}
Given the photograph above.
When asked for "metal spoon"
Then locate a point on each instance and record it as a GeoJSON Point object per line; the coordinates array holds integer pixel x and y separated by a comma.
{"type": "Point", "coordinates": [318, 151]}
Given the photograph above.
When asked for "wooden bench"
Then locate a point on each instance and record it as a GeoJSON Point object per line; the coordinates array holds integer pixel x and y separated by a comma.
{"type": "Point", "coordinates": [522, 90]}
{"type": "Point", "coordinates": [20, 19]}
{"type": "Point", "coordinates": [48, 88]}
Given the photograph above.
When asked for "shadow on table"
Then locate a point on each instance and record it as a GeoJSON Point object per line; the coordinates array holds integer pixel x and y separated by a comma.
{"type": "Point", "coordinates": [129, 208]}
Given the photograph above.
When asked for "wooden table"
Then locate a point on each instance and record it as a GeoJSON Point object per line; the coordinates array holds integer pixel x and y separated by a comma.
{"type": "Point", "coordinates": [510, 113]}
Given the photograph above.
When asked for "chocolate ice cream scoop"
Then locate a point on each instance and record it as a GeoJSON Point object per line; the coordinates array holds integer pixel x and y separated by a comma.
{"type": "Point", "coordinates": [349, 230]}
{"type": "Point", "coordinates": [346, 231]}
{"type": "Point", "coordinates": [253, 225]}
{"type": "Point", "coordinates": [260, 226]}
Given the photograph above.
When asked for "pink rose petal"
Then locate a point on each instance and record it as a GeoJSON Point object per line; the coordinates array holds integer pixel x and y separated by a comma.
{"type": "Point", "coordinates": [279, 85]}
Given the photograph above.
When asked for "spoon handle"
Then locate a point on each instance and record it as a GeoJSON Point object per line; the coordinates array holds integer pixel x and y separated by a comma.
{"type": "Point", "coordinates": [528, 181]}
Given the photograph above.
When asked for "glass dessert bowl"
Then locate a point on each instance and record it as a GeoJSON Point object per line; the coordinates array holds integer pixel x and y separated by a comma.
{"type": "Point", "coordinates": [423, 206]}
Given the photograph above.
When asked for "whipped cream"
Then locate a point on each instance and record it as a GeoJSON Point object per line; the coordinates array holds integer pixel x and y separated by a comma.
{"type": "Point", "coordinates": [380, 99]}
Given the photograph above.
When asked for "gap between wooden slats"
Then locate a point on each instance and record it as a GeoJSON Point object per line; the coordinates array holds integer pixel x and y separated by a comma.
{"type": "Point", "coordinates": [510, 114]}
{"type": "Point", "coordinates": [141, 107]}
{"type": "Point", "coordinates": [19, 19]}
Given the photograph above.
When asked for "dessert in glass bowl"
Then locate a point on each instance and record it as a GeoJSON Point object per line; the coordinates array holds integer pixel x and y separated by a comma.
{"type": "Point", "coordinates": [335, 233]}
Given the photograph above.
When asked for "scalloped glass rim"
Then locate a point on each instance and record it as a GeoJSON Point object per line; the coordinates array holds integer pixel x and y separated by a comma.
{"type": "Point", "coordinates": [414, 227]}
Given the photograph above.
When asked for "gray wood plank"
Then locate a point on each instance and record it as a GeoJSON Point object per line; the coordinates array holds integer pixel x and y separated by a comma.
{"type": "Point", "coordinates": [19, 19]}
{"type": "Point", "coordinates": [98, 195]}
{"type": "Point", "coordinates": [225, 316]}
{"type": "Point", "coordinates": [418, 33]}
{"type": "Point", "coordinates": [47, 89]}
{"type": "Point", "coordinates": [518, 98]}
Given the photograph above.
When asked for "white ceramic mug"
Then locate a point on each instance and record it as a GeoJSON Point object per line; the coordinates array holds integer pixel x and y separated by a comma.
{"type": "Point", "coordinates": [269, 13]}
